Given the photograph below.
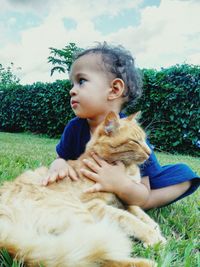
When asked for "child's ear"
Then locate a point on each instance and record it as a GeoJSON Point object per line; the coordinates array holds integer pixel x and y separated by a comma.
{"type": "Point", "coordinates": [135, 116]}
{"type": "Point", "coordinates": [111, 123]}
{"type": "Point", "coordinates": [116, 89]}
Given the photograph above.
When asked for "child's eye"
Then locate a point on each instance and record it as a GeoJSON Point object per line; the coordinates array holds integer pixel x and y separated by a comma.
{"type": "Point", "coordinates": [81, 81]}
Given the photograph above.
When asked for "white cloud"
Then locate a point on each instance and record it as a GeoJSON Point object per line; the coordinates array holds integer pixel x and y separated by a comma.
{"type": "Point", "coordinates": [12, 21]}
{"type": "Point", "coordinates": [88, 9]}
{"type": "Point", "coordinates": [32, 52]}
{"type": "Point", "coordinates": [166, 35]}
{"type": "Point", "coordinates": [22, 6]}
{"type": "Point", "coordinates": [4, 6]}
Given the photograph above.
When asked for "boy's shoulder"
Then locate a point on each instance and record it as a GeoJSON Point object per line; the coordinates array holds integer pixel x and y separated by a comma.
{"type": "Point", "coordinates": [76, 122]}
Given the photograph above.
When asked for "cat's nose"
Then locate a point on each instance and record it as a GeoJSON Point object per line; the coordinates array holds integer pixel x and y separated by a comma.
{"type": "Point", "coordinates": [147, 150]}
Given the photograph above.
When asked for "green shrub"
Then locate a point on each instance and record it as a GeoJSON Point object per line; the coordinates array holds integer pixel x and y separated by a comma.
{"type": "Point", "coordinates": [170, 108]}
{"type": "Point", "coordinates": [39, 108]}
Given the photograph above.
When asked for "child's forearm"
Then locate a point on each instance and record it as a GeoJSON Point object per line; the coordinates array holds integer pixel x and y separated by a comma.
{"type": "Point", "coordinates": [133, 193]}
{"type": "Point", "coordinates": [163, 196]}
{"type": "Point", "coordinates": [143, 196]}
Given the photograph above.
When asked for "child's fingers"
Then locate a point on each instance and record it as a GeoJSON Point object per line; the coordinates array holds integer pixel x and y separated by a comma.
{"type": "Point", "coordinates": [45, 181]}
{"type": "Point", "coordinates": [62, 174]}
{"type": "Point", "coordinates": [53, 177]}
{"type": "Point", "coordinates": [72, 174]}
{"type": "Point", "coordinates": [90, 175]}
{"type": "Point", "coordinates": [93, 166]}
{"type": "Point", "coordinates": [49, 179]}
{"type": "Point", "coordinates": [95, 188]}
{"type": "Point", "coordinates": [98, 160]}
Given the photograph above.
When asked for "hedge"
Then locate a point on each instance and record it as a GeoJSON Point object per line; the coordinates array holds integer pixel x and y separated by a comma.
{"type": "Point", "coordinates": [39, 108]}
{"type": "Point", "coordinates": [170, 108]}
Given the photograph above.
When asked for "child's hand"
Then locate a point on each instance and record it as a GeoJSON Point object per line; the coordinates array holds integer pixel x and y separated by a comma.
{"type": "Point", "coordinates": [59, 170]}
{"type": "Point", "coordinates": [107, 177]}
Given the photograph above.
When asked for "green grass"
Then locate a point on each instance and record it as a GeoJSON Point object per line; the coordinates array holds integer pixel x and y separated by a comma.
{"type": "Point", "coordinates": [19, 152]}
{"type": "Point", "coordinates": [179, 222]}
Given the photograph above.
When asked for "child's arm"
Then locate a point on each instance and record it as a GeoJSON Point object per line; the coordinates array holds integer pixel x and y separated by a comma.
{"type": "Point", "coordinates": [112, 178]}
{"type": "Point", "coordinates": [58, 170]}
{"type": "Point", "coordinates": [163, 196]}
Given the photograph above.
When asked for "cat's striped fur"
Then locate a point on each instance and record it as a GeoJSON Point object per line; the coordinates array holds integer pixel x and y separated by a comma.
{"type": "Point", "coordinates": [59, 225]}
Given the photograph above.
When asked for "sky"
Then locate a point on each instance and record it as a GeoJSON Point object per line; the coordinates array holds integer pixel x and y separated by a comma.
{"type": "Point", "coordinates": [159, 33]}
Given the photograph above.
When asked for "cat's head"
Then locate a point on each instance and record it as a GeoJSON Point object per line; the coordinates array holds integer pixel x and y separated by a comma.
{"type": "Point", "coordinates": [120, 140]}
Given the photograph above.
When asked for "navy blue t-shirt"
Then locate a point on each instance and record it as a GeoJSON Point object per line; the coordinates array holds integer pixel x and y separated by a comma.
{"type": "Point", "coordinates": [77, 133]}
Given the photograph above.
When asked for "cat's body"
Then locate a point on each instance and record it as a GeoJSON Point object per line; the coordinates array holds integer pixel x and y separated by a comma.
{"type": "Point", "coordinates": [60, 225]}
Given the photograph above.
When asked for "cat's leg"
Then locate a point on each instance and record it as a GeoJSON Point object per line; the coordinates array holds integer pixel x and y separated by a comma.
{"type": "Point", "coordinates": [137, 211]}
{"type": "Point", "coordinates": [132, 225]}
{"type": "Point", "coordinates": [130, 262]}
{"type": "Point", "coordinates": [142, 215]}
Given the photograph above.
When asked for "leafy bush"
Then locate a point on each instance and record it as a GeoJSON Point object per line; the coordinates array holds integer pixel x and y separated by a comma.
{"type": "Point", "coordinates": [39, 108]}
{"type": "Point", "coordinates": [170, 108]}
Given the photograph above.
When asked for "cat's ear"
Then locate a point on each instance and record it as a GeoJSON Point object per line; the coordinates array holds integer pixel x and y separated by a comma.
{"type": "Point", "coordinates": [111, 123]}
{"type": "Point", "coordinates": [135, 116]}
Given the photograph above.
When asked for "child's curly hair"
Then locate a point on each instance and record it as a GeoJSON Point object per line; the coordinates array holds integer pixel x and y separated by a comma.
{"type": "Point", "coordinates": [120, 63]}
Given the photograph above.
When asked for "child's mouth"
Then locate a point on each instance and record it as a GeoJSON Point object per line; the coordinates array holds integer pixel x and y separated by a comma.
{"type": "Point", "coordinates": [74, 103]}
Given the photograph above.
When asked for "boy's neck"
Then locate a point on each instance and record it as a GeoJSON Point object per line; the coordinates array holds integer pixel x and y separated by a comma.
{"type": "Point", "coordinates": [94, 122]}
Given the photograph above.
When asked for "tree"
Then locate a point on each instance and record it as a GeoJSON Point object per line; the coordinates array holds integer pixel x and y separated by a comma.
{"type": "Point", "coordinates": [7, 77]}
{"type": "Point", "coordinates": [62, 59]}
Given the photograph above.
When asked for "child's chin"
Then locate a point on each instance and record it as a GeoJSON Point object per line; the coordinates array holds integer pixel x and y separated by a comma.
{"type": "Point", "coordinates": [81, 116]}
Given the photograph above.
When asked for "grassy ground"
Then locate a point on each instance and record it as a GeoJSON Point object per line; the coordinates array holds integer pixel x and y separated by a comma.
{"type": "Point", "coordinates": [179, 221]}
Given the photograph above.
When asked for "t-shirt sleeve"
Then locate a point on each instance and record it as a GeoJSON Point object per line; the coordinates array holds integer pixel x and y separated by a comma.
{"type": "Point", "coordinates": [64, 148]}
{"type": "Point", "coordinates": [162, 176]}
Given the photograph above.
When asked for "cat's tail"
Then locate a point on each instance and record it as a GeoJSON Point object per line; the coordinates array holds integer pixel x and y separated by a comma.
{"type": "Point", "coordinates": [80, 246]}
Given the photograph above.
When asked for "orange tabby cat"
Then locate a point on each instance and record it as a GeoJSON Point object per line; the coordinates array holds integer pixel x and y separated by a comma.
{"type": "Point", "coordinates": [60, 225]}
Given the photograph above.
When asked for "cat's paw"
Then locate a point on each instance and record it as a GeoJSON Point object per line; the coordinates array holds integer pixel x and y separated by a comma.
{"type": "Point", "coordinates": [155, 239]}
{"type": "Point", "coordinates": [142, 263]}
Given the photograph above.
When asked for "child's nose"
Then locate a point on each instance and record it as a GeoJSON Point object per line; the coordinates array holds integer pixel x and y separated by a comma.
{"type": "Point", "coordinates": [73, 92]}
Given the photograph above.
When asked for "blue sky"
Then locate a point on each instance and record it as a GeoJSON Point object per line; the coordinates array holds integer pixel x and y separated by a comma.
{"type": "Point", "coordinates": [159, 33]}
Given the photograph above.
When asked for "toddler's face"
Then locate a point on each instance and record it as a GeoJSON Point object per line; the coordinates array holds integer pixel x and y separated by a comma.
{"type": "Point", "coordinates": [90, 88]}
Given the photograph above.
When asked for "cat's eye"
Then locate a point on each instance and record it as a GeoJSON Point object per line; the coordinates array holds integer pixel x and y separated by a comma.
{"type": "Point", "coordinates": [132, 141]}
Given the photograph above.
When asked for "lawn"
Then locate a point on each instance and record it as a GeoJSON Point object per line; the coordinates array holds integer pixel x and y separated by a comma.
{"type": "Point", "coordinates": [179, 222]}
